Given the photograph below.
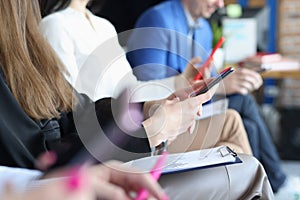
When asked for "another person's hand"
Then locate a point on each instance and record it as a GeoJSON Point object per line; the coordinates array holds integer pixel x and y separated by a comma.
{"type": "Point", "coordinates": [174, 115]}
{"type": "Point", "coordinates": [192, 68]}
{"type": "Point", "coordinates": [242, 81]}
{"type": "Point", "coordinates": [113, 181]}
{"type": "Point", "coordinates": [108, 181]}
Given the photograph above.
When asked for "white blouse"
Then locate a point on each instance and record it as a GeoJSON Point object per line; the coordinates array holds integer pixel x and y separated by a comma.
{"type": "Point", "coordinates": [97, 64]}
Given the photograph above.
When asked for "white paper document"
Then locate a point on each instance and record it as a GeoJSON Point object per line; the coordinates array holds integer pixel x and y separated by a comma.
{"type": "Point", "coordinates": [189, 160]}
{"type": "Point", "coordinates": [213, 108]}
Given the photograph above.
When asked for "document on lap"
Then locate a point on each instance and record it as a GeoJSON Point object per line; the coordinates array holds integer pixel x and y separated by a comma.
{"type": "Point", "coordinates": [192, 160]}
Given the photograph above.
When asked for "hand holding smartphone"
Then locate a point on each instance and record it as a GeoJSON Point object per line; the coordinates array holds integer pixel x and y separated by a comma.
{"type": "Point", "coordinates": [207, 62]}
{"type": "Point", "coordinates": [212, 82]}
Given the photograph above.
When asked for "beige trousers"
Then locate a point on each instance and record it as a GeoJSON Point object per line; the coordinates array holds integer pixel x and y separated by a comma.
{"type": "Point", "coordinates": [243, 181]}
{"type": "Point", "coordinates": [224, 129]}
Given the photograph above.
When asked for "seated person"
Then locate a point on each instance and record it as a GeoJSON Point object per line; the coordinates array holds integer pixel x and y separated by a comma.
{"type": "Point", "coordinates": [46, 97]}
{"type": "Point", "coordinates": [74, 183]}
{"type": "Point", "coordinates": [162, 47]}
{"type": "Point", "coordinates": [106, 72]}
{"type": "Point", "coordinates": [45, 118]}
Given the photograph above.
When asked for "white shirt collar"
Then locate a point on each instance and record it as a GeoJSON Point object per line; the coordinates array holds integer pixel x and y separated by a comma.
{"type": "Point", "coordinates": [190, 21]}
{"type": "Point", "coordinates": [76, 12]}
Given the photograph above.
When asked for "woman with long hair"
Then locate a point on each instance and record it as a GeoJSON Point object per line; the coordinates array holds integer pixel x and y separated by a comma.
{"type": "Point", "coordinates": [97, 65]}
{"type": "Point", "coordinates": [35, 91]}
{"type": "Point", "coordinates": [35, 107]}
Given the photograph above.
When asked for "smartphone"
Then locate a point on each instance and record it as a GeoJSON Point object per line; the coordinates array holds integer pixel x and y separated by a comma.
{"type": "Point", "coordinates": [212, 82]}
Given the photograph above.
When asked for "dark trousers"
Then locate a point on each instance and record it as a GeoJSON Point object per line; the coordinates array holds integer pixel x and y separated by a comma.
{"type": "Point", "coordinates": [259, 137]}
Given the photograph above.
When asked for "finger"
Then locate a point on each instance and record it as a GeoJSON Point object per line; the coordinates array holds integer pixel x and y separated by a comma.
{"type": "Point", "coordinates": [171, 139]}
{"type": "Point", "coordinates": [195, 60]}
{"type": "Point", "coordinates": [245, 82]}
{"type": "Point", "coordinates": [206, 72]}
{"type": "Point", "coordinates": [45, 160]}
{"type": "Point", "coordinates": [195, 101]}
{"type": "Point", "coordinates": [247, 73]}
{"type": "Point", "coordinates": [253, 80]}
{"type": "Point", "coordinates": [247, 85]}
{"type": "Point", "coordinates": [136, 180]}
{"type": "Point", "coordinates": [243, 91]}
{"type": "Point", "coordinates": [191, 69]}
{"type": "Point", "coordinates": [145, 181]}
{"type": "Point", "coordinates": [196, 86]}
{"type": "Point", "coordinates": [172, 101]}
{"type": "Point", "coordinates": [258, 82]}
{"type": "Point", "coordinates": [202, 98]}
{"type": "Point", "coordinates": [182, 94]}
{"type": "Point", "coordinates": [106, 190]}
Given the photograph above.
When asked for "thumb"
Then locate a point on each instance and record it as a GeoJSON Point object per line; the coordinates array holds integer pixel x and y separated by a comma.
{"type": "Point", "coordinates": [202, 98]}
{"type": "Point", "coordinates": [45, 160]}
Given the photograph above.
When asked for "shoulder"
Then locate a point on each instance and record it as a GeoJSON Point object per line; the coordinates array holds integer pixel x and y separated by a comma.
{"type": "Point", "coordinates": [205, 22]}
{"type": "Point", "coordinates": [160, 9]}
{"type": "Point", "coordinates": [55, 22]}
{"type": "Point", "coordinates": [206, 26]}
{"type": "Point", "coordinates": [156, 15]}
{"type": "Point", "coordinates": [103, 23]}
{"type": "Point", "coordinates": [53, 19]}
{"type": "Point", "coordinates": [104, 27]}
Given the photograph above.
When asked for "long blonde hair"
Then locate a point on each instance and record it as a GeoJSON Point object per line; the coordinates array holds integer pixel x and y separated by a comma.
{"type": "Point", "coordinates": [31, 68]}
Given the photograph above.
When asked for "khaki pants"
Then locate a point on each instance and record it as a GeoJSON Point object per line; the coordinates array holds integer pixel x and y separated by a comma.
{"type": "Point", "coordinates": [224, 129]}
{"type": "Point", "coordinates": [246, 180]}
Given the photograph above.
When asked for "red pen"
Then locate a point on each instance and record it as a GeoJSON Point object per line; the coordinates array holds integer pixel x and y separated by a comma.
{"type": "Point", "coordinates": [155, 173]}
{"type": "Point", "coordinates": [207, 62]}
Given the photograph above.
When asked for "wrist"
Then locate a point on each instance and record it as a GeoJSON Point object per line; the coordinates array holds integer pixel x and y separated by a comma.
{"type": "Point", "coordinates": [153, 129]}
{"type": "Point", "coordinates": [150, 108]}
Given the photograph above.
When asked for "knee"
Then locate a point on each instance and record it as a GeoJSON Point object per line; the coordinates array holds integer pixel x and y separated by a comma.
{"type": "Point", "coordinates": [253, 165]}
{"type": "Point", "coordinates": [249, 160]}
{"type": "Point", "coordinates": [233, 115]}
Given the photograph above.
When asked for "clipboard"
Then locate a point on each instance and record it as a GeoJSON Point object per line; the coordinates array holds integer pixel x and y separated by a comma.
{"type": "Point", "coordinates": [181, 162]}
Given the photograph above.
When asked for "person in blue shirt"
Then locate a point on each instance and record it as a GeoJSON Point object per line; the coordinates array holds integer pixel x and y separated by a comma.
{"type": "Point", "coordinates": [168, 35]}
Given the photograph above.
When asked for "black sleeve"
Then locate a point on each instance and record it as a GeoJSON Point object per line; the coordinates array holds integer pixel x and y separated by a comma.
{"type": "Point", "coordinates": [20, 136]}
{"type": "Point", "coordinates": [102, 135]}
{"type": "Point", "coordinates": [89, 132]}
{"type": "Point", "coordinates": [132, 140]}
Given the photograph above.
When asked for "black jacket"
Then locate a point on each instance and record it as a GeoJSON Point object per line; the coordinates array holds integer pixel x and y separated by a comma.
{"type": "Point", "coordinates": [91, 126]}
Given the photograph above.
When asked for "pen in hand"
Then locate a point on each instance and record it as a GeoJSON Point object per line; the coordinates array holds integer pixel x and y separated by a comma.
{"type": "Point", "coordinates": [155, 173]}
{"type": "Point", "coordinates": [207, 62]}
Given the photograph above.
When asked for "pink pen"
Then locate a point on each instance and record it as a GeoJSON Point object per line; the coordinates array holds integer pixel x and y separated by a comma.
{"type": "Point", "coordinates": [206, 64]}
{"type": "Point", "coordinates": [155, 173]}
